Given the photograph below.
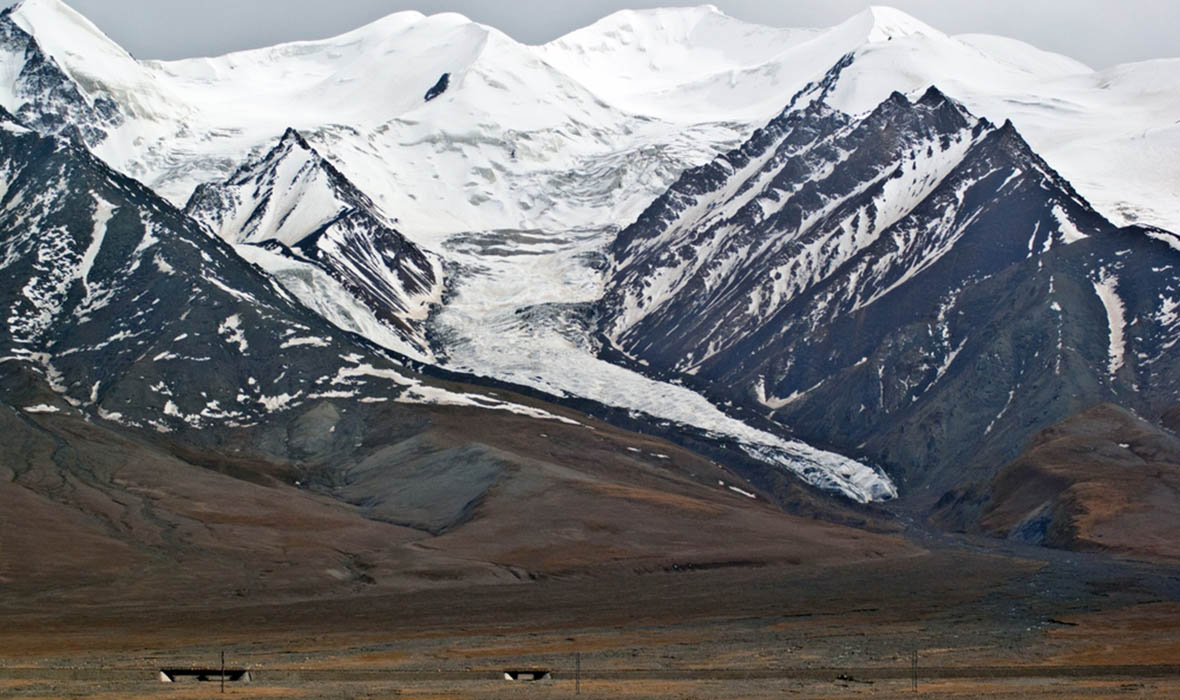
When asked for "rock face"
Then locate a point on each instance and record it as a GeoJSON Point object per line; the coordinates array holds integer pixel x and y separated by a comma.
{"type": "Point", "coordinates": [438, 88]}
{"type": "Point", "coordinates": [296, 204]}
{"type": "Point", "coordinates": [127, 306]}
{"type": "Point", "coordinates": [917, 286]}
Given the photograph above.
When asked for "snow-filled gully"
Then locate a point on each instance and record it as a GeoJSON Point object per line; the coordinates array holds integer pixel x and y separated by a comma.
{"type": "Point", "coordinates": [505, 281]}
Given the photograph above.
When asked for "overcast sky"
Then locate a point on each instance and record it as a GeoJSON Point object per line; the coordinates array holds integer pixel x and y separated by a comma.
{"type": "Point", "coordinates": [1100, 33]}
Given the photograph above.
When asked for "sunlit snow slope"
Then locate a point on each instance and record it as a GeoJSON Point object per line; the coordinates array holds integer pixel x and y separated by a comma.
{"type": "Point", "coordinates": [1114, 134]}
{"type": "Point", "coordinates": [635, 97]}
{"type": "Point", "coordinates": [499, 148]}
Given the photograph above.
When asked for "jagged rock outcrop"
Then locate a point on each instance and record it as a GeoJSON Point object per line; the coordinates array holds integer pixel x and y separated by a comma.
{"type": "Point", "coordinates": [438, 88]}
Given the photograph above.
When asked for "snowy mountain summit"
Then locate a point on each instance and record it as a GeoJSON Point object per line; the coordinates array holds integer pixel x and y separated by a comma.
{"type": "Point", "coordinates": [741, 235]}
{"type": "Point", "coordinates": [688, 81]}
{"type": "Point", "coordinates": [886, 24]}
{"type": "Point", "coordinates": [298, 206]}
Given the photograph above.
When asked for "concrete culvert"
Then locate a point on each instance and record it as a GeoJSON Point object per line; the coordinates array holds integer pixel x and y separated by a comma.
{"type": "Point", "coordinates": [527, 676]}
{"type": "Point", "coordinates": [179, 675]}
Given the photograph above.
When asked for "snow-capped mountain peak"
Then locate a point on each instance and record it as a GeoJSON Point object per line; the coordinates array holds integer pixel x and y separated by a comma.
{"type": "Point", "coordinates": [587, 93]}
{"type": "Point", "coordinates": [294, 191]}
{"type": "Point", "coordinates": [643, 60]}
{"type": "Point", "coordinates": [655, 25]}
{"type": "Point", "coordinates": [333, 78]}
{"type": "Point", "coordinates": [882, 23]}
{"type": "Point", "coordinates": [53, 15]}
{"type": "Point", "coordinates": [326, 242]}
{"type": "Point", "coordinates": [62, 31]}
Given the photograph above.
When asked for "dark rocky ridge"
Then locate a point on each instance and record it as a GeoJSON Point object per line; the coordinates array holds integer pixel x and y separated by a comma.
{"type": "Point", "coordinates": [134, 314]}
{"type": "Point", "coordinates": [934, 335]}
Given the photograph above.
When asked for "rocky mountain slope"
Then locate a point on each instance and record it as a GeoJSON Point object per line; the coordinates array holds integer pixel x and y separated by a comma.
{"type": "Point", "coordinates": [916, 286]}
{"type": "Point", "coordinates": [135, 315]}
{"type": "Point", "coordinates": [1104, 480]}
{"type": "Point", "coordinates": [175, 421]}
{"type": "Point", "coordinates": [942, 245]}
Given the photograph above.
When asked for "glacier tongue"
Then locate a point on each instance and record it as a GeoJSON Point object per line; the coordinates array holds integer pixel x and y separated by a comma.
{"type": "Point", "coordinates": [517, 313]}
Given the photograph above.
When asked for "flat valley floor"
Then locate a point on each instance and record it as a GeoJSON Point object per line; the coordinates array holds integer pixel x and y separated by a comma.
{"type": "Point", "coordinates": [985, 622]}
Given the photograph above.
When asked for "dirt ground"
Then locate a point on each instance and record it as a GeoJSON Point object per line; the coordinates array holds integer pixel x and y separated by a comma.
{"type": "Point", "coordinates": [985, 624]}
{"type": "Point", "coordinates": [999, 689]}
{"type": "Point", "coordinates": [628, 553]}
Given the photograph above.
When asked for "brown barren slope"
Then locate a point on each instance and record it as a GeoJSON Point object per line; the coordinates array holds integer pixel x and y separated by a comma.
{"type": "Point", "coordinates": [1105, 480]}
{"type": "Point", "coordinates": [470, 541]}
{"type": "Point", "coordinates": [472, 497]}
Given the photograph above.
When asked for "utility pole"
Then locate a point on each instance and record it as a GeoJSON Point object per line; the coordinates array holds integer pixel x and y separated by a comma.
{"type": "Point", "coordinates": [914, 670]}
{"type": "Point", "coordinates": [223, 671]}
{"type": "Point", "coordinates": [578, 675]}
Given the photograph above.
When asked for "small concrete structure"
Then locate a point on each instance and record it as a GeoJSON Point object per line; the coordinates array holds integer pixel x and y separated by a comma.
{"type": "Point", "coordinates": [178, 675]}
{"type": "Point", "coordinates": [527, 676]}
